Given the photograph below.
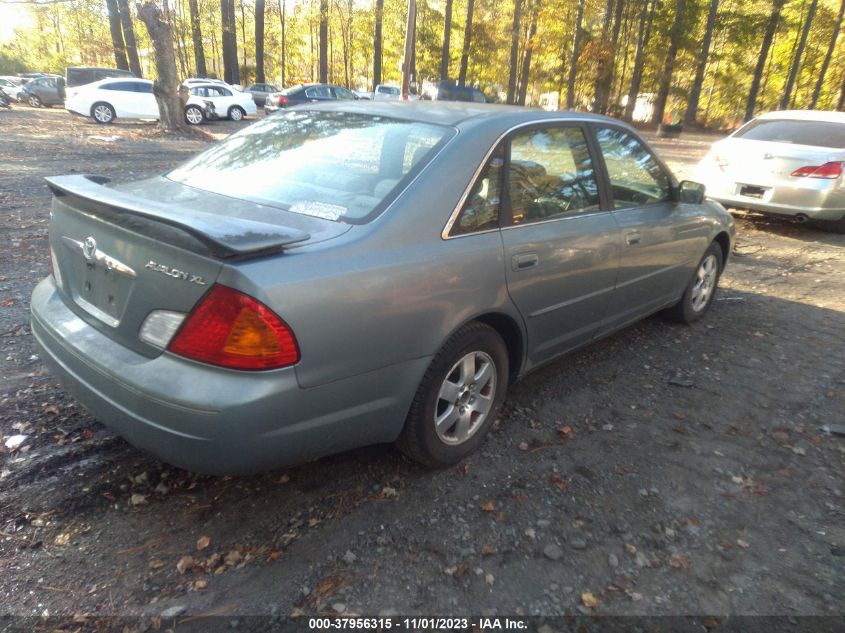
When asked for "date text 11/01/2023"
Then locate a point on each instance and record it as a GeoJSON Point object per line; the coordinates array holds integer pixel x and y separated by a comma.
{"type": "Point", "coordinates": [418, 624]}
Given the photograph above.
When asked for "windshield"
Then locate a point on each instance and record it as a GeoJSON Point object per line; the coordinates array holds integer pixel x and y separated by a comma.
{"type": "Point", "coordinates": [334, 165]}
{"type": "Point", "coordinates": [815, 133]}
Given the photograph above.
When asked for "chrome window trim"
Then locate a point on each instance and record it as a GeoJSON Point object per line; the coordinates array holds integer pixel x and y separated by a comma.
{"type": "Point", "coordinates": [444, 234]}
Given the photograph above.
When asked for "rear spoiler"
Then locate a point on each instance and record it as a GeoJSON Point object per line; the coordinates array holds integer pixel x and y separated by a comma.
{"type": "Point", "coordinates": [224, 237]}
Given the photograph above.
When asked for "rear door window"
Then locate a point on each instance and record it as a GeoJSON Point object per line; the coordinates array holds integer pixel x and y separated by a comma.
{"type": "Point", "coordinates": [813, 133]}
{"type": "Point", "coordinates": [551, 175]}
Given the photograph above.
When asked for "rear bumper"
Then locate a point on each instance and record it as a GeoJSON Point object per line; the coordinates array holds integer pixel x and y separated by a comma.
{"type": "Point", "coordinates": [209, 419]}
{"type": "Point", "coordinates": [815, 198]}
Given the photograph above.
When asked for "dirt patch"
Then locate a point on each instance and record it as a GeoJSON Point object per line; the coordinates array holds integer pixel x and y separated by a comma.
{"type": "Point", "coordinates": [665, 470]}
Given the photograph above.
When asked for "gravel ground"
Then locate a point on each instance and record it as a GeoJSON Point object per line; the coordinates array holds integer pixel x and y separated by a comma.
{"type": "Point", "coordinates": [666, 470]}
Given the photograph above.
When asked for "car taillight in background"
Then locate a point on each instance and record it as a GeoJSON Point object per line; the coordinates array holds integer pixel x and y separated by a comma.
{"type": "Point", "coordinates": [828, 170]}
{"type": "Point", "coordinates": [231, 329]}
{"type": "Point", "coordinates": [277, 99]}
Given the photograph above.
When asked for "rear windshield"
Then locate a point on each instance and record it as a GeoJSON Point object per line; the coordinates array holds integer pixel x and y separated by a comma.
{"type": "Point", "coordinates": [333, 165]}
{"type": "Point", "coordinates": [815, 133]}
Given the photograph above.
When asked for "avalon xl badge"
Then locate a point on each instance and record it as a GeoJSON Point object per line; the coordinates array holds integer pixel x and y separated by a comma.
{"type": "Point", "coordinates": [175, 273]}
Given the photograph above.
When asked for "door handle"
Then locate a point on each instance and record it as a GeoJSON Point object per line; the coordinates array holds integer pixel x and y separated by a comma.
{"type": "Point", "coordinates": [633, 238]}
{"type": "Point", "coordinates": [524, 261]}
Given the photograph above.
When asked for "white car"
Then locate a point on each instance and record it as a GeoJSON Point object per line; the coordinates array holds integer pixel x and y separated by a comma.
{"type": "Point", "coordinates": [789, 163]}
{"type": "Point", "coordinates": [228, 103]}
{"type": "Point", "coordinates": [115, 98]}
{"type": "Point", "coordinates": [11, 87]}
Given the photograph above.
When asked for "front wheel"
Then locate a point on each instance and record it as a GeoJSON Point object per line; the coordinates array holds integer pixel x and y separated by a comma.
{"type": "Point", "coordinates": [34, 101]}
{"type": "Point", "coordinates": [102, 113]}
{"type": "Point", "coordinates": [194, 115]}
{"type": "Point", "coordinates": [701, 289]}
{"type": "Point", "coordinates": [458, 398]}
{"type": "Point", "coordinates": [236, 113]}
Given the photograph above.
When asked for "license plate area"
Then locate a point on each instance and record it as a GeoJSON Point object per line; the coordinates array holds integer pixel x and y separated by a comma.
{"type": "Point", "coordinates": [753, 191]}
{"type": "Point", "coordinates": [97, 283]}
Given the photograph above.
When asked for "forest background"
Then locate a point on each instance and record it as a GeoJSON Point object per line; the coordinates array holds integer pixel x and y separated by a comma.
{"type": "Point", "coordinates": [713, 63]}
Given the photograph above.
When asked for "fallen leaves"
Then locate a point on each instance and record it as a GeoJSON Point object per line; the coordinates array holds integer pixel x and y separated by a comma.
{"type": "Point", "coordinates": [137, 499]}
{"type": "Point", "coordinates": [558, 482]}
{"type": "Point", "coordinates": [589, 600]}
{"type": "Point", "coordinates": [62, 539]}
{"type": "Point", "coordinates": [678, 561]}
{"type": "Point", "coordinates": [565, 432]}
{"type": "Point", "coordinates": [203, 542]}
{"type": "Point", "coordinates": [185, 564]}
{"type": "Point", "coordinates": [488, 506]}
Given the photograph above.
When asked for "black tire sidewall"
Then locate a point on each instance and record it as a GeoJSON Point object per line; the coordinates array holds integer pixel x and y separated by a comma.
{"type": "Point", "coordinates": [421, 437]}
{"type": "Point", "coordinates": [687, 313]}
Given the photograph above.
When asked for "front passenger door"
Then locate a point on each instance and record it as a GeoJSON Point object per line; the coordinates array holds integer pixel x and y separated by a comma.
{"type": "Point", "coordinates": [561, 243]}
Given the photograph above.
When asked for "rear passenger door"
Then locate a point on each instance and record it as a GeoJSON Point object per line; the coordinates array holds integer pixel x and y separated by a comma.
{"type": "Point", "coordinates": [147, 104]}
{"type": "Point", "coordinates": [659, 235]}
{"type": "Point", "coordinates": [561, 241]}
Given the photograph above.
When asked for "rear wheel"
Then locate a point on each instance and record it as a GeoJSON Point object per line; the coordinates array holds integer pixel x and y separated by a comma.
{"type": "Point", "coordinates": [194, 115]}
{"type": "Point", "coordinates": [236, 113]}
{"type": "Point", "coordinates": [458, 398]}
{"type": "Point", "coordinates": [102, 113]}
{"type": "Point", "coordinates": [34, 101]}
{"type": "Point", "coordinates": [702, 287]}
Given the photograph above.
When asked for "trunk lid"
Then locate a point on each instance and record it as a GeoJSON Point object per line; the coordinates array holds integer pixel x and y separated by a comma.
{"type": "Point", "coordinates": [763, 162]}
{"type": "Point", "coordinates": [121, 252]}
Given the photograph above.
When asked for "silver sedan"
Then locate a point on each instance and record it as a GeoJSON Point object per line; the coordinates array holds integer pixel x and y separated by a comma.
{"type": "Point", "coordinates": [343, 274]}
{"type": "Point", "coordinates": [789, 163]}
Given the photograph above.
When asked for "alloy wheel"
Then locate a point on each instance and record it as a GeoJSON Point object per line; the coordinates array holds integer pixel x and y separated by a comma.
{"type": "Point", "coordinates": [465, 398]}
{"type": "Point", "coordinates": [705, 282]}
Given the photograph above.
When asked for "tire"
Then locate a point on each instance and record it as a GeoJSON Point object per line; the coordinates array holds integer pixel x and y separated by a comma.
{"type": "Point", "coordinates": [34, 101]}
{"type": "Point", "coordinates": [236, 113]}
{"type": "Point", "coordinates": [194, 115]}
{"type": "Point", "coordinates": [102, 113]}
{"type": "Point", "coordinates": [463, 387]}
{"type": "Point", "coordinates": [701, 289]}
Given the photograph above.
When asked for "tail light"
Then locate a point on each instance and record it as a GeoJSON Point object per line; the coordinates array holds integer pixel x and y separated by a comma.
{"type": "Point", "coordinates": [278, 99]}
{"type": "Point", "coordinates": [828, 170]}
{"type": "Point", "coordinates": [231, 329]}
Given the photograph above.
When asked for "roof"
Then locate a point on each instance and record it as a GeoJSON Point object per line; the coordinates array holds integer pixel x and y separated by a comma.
{"type": "Point", "coordinates": [454, 113]}
{"type": "Point", "coordinates": [805, 115]}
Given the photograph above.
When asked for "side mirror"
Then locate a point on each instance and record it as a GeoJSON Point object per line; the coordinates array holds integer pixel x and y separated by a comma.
{"type": "Point", "coordinates": [691, 192]}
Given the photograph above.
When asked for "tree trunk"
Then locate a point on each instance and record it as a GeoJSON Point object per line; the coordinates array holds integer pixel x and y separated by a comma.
{"type": "Point", "coordinates": [668, 64]}
{"type": "Point", "coordinates": [227, 37]}
{"type": "Point", "coordinates": [324, 41]}
{"type": "Point", "coordinates": [604, 72]}
{"type": "Point", "coordinates": [796, 62]}
{"type": "Point", "coordinates": [826, 62]}
{"type": "Point", "coordinates": [512, 68]}
{"type": "Point", "coordinates": [447, 36]}
{"type": "Point", "coordinates": [646, 20]}
{"type": "Point", "coordinates": [695, 93]}
{"type": "Point", "coordinates": [377, 44]}
{"type": "Point", "coordinates": [259, 41]}
{"type": "Point", "coordinates": [282, 8]}
{"type": "Point", "coordinates": [573, 59]}
{"type": "Point", "coordinates": [129, 38]}
{"type": "Point", "coordinates": [462, 73]}
{"type": "Point", "coordinates": [840, 104]}
{"type": "Point", "coordinates": [768, 36]}
{"type": "Point", "coordinates": [529, 48]}
{"type": "Point", "coordinates": [196, 36]}
{"type": "Point", "coordinates": [410, 32]}
{"type": "Point", "coordinates": [165, 88]}
{"type": "Point", "coordinates": [116, 35]}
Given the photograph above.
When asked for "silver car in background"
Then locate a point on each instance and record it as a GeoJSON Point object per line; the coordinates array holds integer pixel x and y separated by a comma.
{"type": "Point", "coordinates": [344, 274]}
{"type": "Point", "coordinates": [789, 163]}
